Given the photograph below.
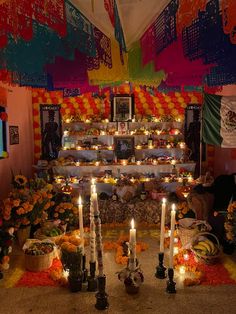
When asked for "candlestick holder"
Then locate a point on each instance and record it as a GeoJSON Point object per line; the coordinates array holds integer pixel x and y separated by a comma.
{"type": "Point", "coordinates": [101, 295]}
{"type": "Point", "coordinates": [170, 288]}
{"type": "Point", "coordinates": [160, 269]}
{"type": "Point", "coordinates": [84, 269]}
{"type": "Point", "coordinates": [92, 281]}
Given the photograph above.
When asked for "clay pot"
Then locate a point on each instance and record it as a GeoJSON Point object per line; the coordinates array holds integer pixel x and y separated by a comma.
{"type": "Point", "coordinates": [131, 289]}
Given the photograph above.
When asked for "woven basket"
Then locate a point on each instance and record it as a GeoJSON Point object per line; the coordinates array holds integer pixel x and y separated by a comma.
{"type": "Point", "coordinates": [39, 262]}
{"type": "Point", "coordinates": [187, 236]}
{"type": "Point", "coordinates": [207, 259]}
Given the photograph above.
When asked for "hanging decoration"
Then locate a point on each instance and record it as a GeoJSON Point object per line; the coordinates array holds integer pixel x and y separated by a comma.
{"type": "Point", "coordinates": [180, 70]}
{"type": "Point", "coordinates": [187, 12]}
{"type": "Point", "coordinates": [165, 26]}
{"type": "Point", "coordinates": [147, 43]}
{"type": "Point", "coordinates": [111, 8]}
{"type": "Point", "coordinates": [103, 51]}
{"type": "Point", "coordinates": [229, 18]}
{"type": "Point", "coordinates": [17, 18]}
{"type": "Point", "coordinates": [108, 76]}
{"type": "Point", "coordinates": [142, 75]}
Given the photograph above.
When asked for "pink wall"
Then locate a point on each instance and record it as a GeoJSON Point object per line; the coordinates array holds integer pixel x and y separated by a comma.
{"type": "Point", "coordinates": [19, 110]}
{"type": "Point", "coordinates": [224, 163]}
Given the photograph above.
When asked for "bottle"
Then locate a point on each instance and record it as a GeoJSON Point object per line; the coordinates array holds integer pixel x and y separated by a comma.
{"type": "Point", "coordinates": [143, 194]}
{"type": "Point", "coordinates": [174, 171]}
{"type": "Point", "coordinates": [114, 196]}
{"type": "Point", "coordinates": [150, 141]}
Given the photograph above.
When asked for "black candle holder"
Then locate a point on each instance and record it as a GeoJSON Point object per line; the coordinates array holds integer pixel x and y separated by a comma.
{"type": "Point", "coordinates": [101, 295]}
{"type": "Point", "coordinates": [170, 288]}
{"type": "Point", "coordinates": [92, 281]}
{"type": "Point", "coordinates": [84, 269]}
{"type": "Point", "coordinates": [160, 269]}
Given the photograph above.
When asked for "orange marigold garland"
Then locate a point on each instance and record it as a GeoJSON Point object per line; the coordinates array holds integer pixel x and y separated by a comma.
{"type": "Point", "coordinates": [122, 249]}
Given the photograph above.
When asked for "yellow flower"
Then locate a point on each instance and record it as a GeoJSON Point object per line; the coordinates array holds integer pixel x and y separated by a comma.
{"type": "Point", "coordinates": [21, 180]}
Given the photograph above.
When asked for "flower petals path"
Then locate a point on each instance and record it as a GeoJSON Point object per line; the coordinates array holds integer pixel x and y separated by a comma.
{"type": "Point", "coordinates": [222, 273]}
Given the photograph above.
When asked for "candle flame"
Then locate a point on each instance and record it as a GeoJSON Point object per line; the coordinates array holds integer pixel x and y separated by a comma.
{"type": "Point", "coordinates": [93, 180]}
{"type": "Point", "coordinates": [80, 200]}
{"type": "Point", "coordinates": [132, 223]}
{"type": "Point", "coordinates": [94, 189]}
{"type": "Point", "coordinates": [173, 207]}
{"type": "Point", "coordinates": [164, 200]}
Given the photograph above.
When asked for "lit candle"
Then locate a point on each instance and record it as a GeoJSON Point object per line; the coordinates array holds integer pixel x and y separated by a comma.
{"type": "Point", "coordinates": [77, 163]}
{"type": "Point", "coordinates": [124, 162]}
{"type": "Point", "coordinates": [110, 147]}
{"type": "Point", "coordinates": [163, 215]}
{"type": "Point", "coordinates": [102, 133]}
{"type": "Point", "coordinates": [132, 247]}
{"type": "Point", "coordinates": [68, 120]}
{"type": "Point", "coordinates": [176, 250]}
{"type": "Point", "coordinates": [98, 230]}
{"type": "Point", "coordinates": [138, 162]}
{"type": "Point", "coordinates": [186, 257]}
{"type": "Point", "coordinates": [97, 163]}
{"type": "Point", "coordinates": [87, 121]}
{"type": "Point", "coordinates": [92, 225]}
{"type": "Point", "coordinates": [81, 223]}
{"type": "Point", "coordinates": [106, 121]}
{"type": "Point", "coordinates": [168, 146]}
{"type": "Point", "coordinates": [78, 147]}
{"type": "Point", "coordinates": [190, 179]}
{"type": "Point", "coordinates": [182, 270]}
{"type": "Point", "coordinates": [166, 179]}
{"type": "Point", "coordinates": [173, 162]}
{"type": "Point", "coordinates": [172, 229]}
{"type": "Point", "coordinates": [180, 179]}
{"type": "Point", "coordinates": [138, 147]}
{"type": "Point", "coordinates": [182, 145]}
{"type": "Point", "coordinates": [154, 162]}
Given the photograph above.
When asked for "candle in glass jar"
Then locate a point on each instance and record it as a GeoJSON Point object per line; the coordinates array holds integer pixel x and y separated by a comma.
{"type": "Point", "coordinates": [132, 246]}
{"type": "Point", "coordinates": [163, 215]}
{"type": "Point", "coordinates": [81, 224]}
{"type": "Point", "coordinates": [172, 229]}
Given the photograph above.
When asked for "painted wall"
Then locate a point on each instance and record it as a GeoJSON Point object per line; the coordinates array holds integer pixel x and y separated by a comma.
{"type": "Point", "coordinates": [19, 110]}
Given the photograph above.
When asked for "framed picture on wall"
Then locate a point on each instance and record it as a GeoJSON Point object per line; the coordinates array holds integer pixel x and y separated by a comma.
{"type": "Point", "coordinates": [14, 137]}
{"type": "Point", "coordinates": [122, 107]}
{"type": "Point", "coordinates": [51, 132]}
{"type": "Point", "coordinates": [124, 147]}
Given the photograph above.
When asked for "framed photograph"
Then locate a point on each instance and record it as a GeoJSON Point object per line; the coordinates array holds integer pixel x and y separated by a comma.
{"type": "Point", "coordinates": [14, 135]}
{"type": "Point", "coordinates": [124, 147]}
{"type": "Point", "coordinates": [122, 107]}
{"type": "Point", "coordinates": [122, 127]}
{"type": "Point", "coordinates": [50, 130]}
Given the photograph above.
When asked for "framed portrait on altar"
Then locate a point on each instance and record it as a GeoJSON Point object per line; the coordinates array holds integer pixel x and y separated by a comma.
{"type": "Point", "coordinates": [51, 131]}
{"type": "Point", "coordinates": [124, 147]}
{"type": "Point", "coordinates": [122, 107]}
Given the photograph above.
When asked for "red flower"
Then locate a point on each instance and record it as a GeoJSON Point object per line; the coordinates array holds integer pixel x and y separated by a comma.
{"type": "Point", "coordinates": [3, 116]}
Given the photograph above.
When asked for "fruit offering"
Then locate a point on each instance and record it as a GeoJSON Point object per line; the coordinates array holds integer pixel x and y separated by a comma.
{"type": "Point", "coordinates": [205, 247]}
{"type": "Point", "coordinates": [54, 232]}
{"type": "Point", "coordinates": [39, 248]}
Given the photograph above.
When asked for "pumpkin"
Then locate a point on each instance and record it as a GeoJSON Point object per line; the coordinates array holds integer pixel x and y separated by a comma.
{"type": "Point", "coordinates": [183, 191]}
{"type": "Point", "coordinates": [67, 189]}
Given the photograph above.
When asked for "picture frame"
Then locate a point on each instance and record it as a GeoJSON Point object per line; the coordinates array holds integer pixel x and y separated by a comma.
{"type": "Point", "coordinates": [122, 127]}
{"type": "Point", "coordinates": [124, 147]}
{"type": "Point", "coordinates": [122, 107]}
{"type": "Point", "coordinates": [51, 131]}
{"type": "Point", "coordinates": [14, 137]}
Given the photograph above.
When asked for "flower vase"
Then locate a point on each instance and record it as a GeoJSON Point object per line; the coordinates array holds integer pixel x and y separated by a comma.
{"type": "Point", "coordinates": [131, 289]}
{"type": "Point", "coordinates": [23, 234]}
{"type": "Point", "coordinates": [75, 283]}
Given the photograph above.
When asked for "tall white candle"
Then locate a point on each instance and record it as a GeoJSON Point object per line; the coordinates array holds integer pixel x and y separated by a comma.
{"type": "Point", "coordinates": [81, 223]}
{"type": "Point", "coordinates": [163, 217]}
{"type": "Point", "coordinates": [132, 247]}
{"type": "Point", "coordinates": [98, 230]}
{"type": "Point", "coordinates": [172, 229]}
{"type": "Point", "coordinates": [92, 225]}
